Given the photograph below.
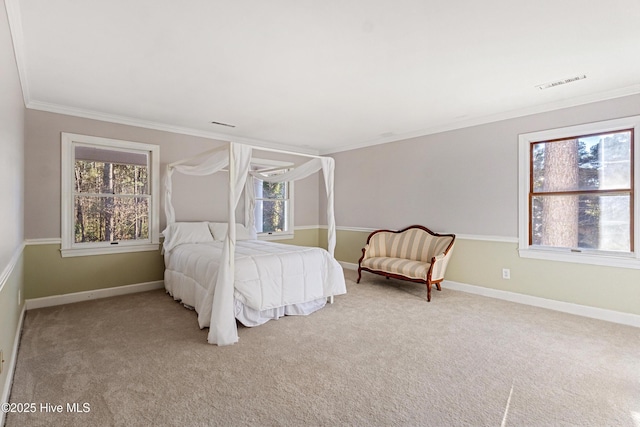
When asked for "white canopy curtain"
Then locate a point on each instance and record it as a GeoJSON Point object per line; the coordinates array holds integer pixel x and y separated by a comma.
{"type": "Point", "coordinates": [327, 164]}
{"type": "Point", "coordinates": [237, 157]}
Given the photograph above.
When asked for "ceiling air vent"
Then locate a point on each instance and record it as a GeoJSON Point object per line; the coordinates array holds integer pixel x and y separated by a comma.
{"type": "Point", "coordinates": [561, 82]}
{"type": "Point", "coordinates": [223, 124]}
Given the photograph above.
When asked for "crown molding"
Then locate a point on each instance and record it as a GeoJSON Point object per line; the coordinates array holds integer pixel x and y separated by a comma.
{"type": "Point", "coordinates": [130, 121]}
{"type": "Point", "coordinates": [17, 36]}
{"type": "Point", "coordinates": [528, 111]}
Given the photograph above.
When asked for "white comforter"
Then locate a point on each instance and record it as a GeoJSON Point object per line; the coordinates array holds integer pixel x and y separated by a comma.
{"type": "Point", "coordinates": [268, 277]}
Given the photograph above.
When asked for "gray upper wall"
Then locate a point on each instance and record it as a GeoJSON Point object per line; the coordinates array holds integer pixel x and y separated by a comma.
{"type": "Point", "coordinates": [194, 198]}
{"type": "Point", "coordinates": [11, 149]}
{"type": "Point", "coordinates": [463, 181]}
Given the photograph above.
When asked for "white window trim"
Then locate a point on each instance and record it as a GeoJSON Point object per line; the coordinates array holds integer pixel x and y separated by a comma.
{"type": "Point", "coordinates": [567, 255]}
{"type": "Point", "coordinates": [279, 235]}
{"type": "Point", "coordinates": [71, 249]}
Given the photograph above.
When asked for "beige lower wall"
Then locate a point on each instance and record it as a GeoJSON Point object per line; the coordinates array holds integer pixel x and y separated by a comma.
{"type": "Point", "coordinates": [349, 245]}
{"type": "Point", "coordinates": [480, 263]}
{"type": "Point", "coordinates": [10, 310]}
{"type": "Point", "coordinates": [304, 237]}
{"type": "Point", "coordinates": [474, 262]}
{"type": "Point", "coordinates": [49, 274]}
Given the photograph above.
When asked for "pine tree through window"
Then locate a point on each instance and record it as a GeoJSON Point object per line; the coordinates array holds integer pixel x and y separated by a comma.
{"type": "Point", "coordinates": [581, 192]}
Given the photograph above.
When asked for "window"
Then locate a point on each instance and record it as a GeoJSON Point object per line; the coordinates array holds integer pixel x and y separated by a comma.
{"type": "Point", "coordinates": [577, 192]}
{"type": "Point", "coordinates": [109, 196]}
{"type": "Point", "coordinates": [274, 202]}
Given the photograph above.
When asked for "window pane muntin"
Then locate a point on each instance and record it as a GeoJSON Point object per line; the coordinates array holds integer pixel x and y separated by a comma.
{"type": "Point", "coordinates": [602, 162]}
{"type": "Point", "coordinates": [92, 152]}
{"type": "Point", "coordinates": [580, 223]}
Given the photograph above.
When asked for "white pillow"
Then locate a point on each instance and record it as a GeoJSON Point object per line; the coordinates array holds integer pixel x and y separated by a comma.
{"type": "Point", "coordinates": [219, 231]}
{"type": "Point", "coordinates": [186, 232]}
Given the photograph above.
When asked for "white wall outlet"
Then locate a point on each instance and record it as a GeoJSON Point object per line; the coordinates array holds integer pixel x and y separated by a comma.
{"type": "Point", "coordinates": [506, 273]}
{"type": "Point", "coordinates": [19, 296]}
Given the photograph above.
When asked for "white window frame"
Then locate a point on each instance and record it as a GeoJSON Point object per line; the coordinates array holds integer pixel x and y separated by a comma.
{"type": "Point", "coordinates": [279, 235]}
{"type": "Point", "coordinates": [68, 246]}
{"type": "Point", "coordinates": [594, 257]}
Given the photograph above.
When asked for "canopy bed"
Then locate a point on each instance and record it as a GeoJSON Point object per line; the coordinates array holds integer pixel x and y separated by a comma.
{"type": "Point", "coordinates": [224, 272]}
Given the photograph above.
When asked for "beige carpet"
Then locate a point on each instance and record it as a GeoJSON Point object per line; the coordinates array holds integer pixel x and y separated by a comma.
{"type": "Point", "coordinates": [381, 355]}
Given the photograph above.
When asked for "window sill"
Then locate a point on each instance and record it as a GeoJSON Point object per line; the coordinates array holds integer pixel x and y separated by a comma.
{"type": "Point", "coordinates": [108, 250]}
{"type": "Point", "coordinates": [620, 261]}
{"type": "Point", "coordinates": [276, 236]}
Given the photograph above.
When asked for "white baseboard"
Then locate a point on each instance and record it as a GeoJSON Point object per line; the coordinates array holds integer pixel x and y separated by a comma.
{"type": "Point", "coordinates": [6, 390]}
{"type": "Point", "coordinates": [565, 307]}
{"type": "Point", "coordinates": [348, 265]}
{"type": "Point", "coordinates": [89, 295]}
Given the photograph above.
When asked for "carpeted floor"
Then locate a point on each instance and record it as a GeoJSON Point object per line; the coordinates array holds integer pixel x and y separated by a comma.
{"type": "Point", "coordinates": [381, 355]}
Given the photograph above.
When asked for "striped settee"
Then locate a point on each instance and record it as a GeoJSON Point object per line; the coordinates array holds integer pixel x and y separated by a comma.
{"type": "Point", "coordinates": [415, 253]}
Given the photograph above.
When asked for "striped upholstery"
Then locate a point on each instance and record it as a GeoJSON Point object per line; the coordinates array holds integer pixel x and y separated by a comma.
{"type": "Point", "coordinates": [414, 244]}
{"type": "Point", "coordinates": [404, 267]}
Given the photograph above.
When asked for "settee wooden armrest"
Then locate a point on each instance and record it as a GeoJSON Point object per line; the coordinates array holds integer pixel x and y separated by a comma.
{"type": "Point", "coordinates": [415, 253]}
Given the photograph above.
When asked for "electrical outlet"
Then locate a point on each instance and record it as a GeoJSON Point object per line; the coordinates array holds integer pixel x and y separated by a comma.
{"type": "Point", "coordinates": [19, 296]}
{"type": "Point", "coordinates": [506, 273]}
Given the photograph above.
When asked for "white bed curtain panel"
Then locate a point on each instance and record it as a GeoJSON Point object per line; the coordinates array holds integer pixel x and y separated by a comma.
{"type": "Point", "coordinates": [327, 164]}
{"type": "Point", "coordinates": [223, 329]}
{"type": "Point", "coordinates": [236, 157]}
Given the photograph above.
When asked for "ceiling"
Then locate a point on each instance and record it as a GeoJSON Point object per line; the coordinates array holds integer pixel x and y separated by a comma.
{"type": "Point", "coordinates": [320, 76]}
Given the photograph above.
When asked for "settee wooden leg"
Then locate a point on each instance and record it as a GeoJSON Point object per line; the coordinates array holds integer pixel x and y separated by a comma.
{"type": "Point", "coordinates": [359, 275]}
{"type": "Point", "coordinates": [438, 286]}
{"type": "Point", "coordinates": [428, 292]}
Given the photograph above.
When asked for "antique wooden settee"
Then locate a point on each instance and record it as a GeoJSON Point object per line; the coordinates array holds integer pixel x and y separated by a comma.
{"type": "Point", "coordinates": [415, 253]}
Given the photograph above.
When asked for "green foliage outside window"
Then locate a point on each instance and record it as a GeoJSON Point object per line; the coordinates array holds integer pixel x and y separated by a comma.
{"type": "Point", "coordinates": [581, 192]}
{"type": "Point", "coordinates": [111, 202]}
{"type": "Point", "coordinates": [274, 195]}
